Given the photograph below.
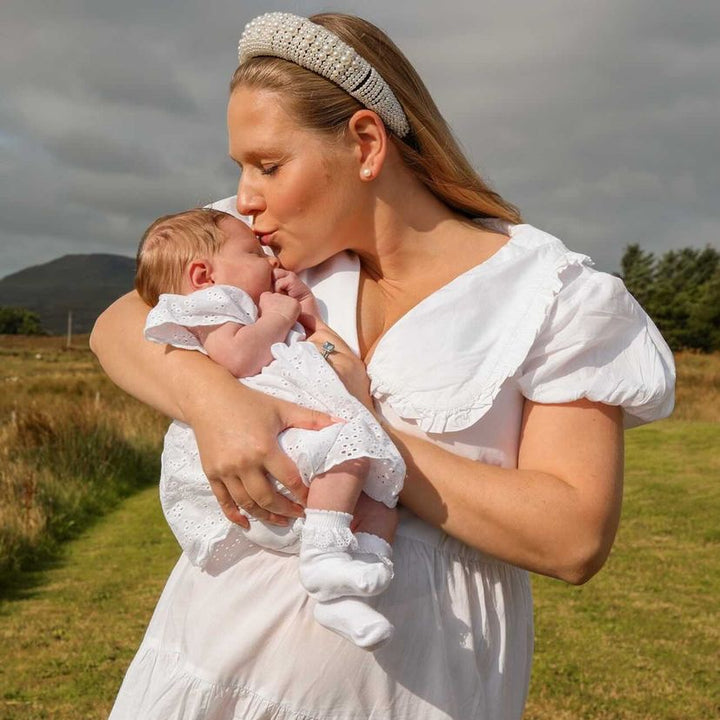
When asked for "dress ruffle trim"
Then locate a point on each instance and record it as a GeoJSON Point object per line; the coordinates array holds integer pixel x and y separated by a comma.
{"type": "Point", "coordinates": [481, 389]}
{"type": "Point", "coordinates": [172, 691]}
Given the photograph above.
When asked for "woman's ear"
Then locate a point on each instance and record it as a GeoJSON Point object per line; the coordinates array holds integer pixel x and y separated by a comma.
{"type": "Point", "coordinates": [368, 133]}
{"type": "Point", "coordinates": [200, 274]}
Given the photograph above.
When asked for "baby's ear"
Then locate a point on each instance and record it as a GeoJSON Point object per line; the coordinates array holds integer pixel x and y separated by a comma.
{"type": "Point", "coordinates": [200, 274]}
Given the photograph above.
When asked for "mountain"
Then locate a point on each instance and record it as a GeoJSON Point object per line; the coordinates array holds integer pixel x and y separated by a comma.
{"type": "Point", "coordinates": [85, 284]}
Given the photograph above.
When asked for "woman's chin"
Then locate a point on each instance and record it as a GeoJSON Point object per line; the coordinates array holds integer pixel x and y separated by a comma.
{"type": "Point", "coordinates": [287, 262]}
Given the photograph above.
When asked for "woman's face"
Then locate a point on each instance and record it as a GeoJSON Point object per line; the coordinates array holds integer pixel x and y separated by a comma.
{"type": "Point", "coordinates": [300, 186]}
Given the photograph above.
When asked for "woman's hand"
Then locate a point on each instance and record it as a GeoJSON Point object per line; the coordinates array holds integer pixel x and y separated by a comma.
{"type": "Point", "coordinates": [348, 366]}
{"type": "Point", "coordinates": [237, 437]}
{"type": "Point", "coordinates": [236, 427]}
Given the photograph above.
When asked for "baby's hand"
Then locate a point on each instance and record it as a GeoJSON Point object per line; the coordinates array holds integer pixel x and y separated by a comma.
{"type": "Point", "coordinates": [290, 284]}
{"type": "Point", "coordinates": [281, 304]}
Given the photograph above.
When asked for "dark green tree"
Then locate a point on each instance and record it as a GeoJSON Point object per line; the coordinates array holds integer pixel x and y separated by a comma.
{"type": "Point", "coordinates": [19, 321]}
{"type": "Point", "coordinates": [680, 291]}
{"type": "Point", "coordinates": [638, 272]}
{"type": "Point", "coordinates": [703, 323]}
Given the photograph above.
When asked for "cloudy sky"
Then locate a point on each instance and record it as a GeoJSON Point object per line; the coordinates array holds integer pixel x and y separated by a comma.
{"type": "Point", "coordinates": [600, 119]}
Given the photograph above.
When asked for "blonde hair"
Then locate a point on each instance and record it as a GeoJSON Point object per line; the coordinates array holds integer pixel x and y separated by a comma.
{"type": "Point", "coordinates": [430, 149]}
{"type": "Point", "coordinates": [170, 244]}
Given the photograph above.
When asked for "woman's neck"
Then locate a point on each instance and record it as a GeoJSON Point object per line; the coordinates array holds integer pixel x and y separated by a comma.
{"type": "Point", "coordinates": [411, 231]}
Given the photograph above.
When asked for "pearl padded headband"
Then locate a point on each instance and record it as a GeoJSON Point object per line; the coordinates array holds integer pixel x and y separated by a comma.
{"type": "Point", "coordinates": [311, 46]}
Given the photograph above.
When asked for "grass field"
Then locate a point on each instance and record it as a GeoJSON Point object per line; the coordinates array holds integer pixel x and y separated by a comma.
{"type": "Point", "coordinates": [71, 445]}
{"type": "Point", "coordinates": [639, 642]}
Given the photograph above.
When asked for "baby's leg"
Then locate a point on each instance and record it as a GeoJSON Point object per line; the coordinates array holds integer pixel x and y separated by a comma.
{"type": "Point", "coordinates": [374, 526]}
{"type": "Point", "coordinates": [340, 488]}
{"type": "Point", "coordinates": [327, 567]}
{"type": "Point", "coordinates": [375, 518]}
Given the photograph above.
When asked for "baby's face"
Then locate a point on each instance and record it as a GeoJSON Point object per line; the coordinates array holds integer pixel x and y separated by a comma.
{"type": "Point", "coordinates": [242, 261]}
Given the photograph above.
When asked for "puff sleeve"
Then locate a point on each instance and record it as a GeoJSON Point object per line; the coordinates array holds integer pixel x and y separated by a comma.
{"type": "Point", "coordinates": [598, 343]}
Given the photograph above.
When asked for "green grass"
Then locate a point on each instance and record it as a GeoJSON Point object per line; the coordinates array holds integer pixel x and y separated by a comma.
{"type": "Point", "coordinates": [642, 639]}
{"type": "Point", "coordinates": [639, 642]}
{"type": "Point", "coordinates": [70, 630]}
{"type": "Point", "coordinates": [71, 447]}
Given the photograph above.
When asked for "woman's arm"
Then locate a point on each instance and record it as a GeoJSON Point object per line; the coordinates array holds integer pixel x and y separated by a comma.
{"type": "Point", "coordinates": [148, 371]}
{"type": "Point", "coordinates": [557, 514]}
{"type": "Point", "coordinates": [236, 428]}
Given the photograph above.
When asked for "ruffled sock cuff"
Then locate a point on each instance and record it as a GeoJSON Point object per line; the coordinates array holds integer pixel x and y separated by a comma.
{"type": "Point", "coordinates": [328, 530]}
{"type": "Point", "coordinates": [373, 545]}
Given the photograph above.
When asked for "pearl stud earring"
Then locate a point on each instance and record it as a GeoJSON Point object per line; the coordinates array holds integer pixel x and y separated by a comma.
{"type": "Point", "coordinates": [367, 173]}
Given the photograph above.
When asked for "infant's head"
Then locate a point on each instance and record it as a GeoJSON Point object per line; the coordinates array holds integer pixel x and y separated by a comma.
{"type": "Point", "coordinates": [197, 248]}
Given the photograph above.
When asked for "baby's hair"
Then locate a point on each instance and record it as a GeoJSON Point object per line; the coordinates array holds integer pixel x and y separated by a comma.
{"type": "Point", "coordinates": [170, 244]}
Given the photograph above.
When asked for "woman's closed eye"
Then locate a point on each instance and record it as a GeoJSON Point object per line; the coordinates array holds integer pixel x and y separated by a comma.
{"type": "Point", "coordinates": [269, 169]}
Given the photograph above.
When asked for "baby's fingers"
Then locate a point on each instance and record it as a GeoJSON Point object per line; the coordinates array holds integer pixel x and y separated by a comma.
{"type": "Point", "coordinates": [282, 279]}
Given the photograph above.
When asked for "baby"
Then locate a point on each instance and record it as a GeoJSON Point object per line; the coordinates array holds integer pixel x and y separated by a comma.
{"type": "Point", "coordinates": [232, 301]}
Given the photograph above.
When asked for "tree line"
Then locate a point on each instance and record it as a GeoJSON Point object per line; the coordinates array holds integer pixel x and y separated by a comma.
{"type": "Point", "coordinates": [680, 290]}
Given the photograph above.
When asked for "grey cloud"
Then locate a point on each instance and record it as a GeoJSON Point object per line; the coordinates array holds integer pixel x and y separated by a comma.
{"type": "Point", "coordinates": [94, 152]}
{"type": "Point", "coordinates": [598, 119]}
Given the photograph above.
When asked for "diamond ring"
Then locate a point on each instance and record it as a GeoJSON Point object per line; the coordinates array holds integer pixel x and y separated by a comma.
{"type": "Point", "coordinates": [327, 348]}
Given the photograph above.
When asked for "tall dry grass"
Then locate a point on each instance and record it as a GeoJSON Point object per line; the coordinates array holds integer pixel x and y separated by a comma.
{"type": "Point", "coordinates": [71, 445]}
{"type": "Point", "coordinates": [698, 387]}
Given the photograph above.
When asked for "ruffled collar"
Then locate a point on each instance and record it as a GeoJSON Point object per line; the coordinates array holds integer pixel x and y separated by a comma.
{"type": "Point", "coordinates": [443, 362]}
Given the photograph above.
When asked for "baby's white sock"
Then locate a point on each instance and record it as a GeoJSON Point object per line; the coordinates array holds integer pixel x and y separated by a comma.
{"type": "Point", "coordinates": [327, 568]}
{"type": "Point", "coordinates": [284, 539]}
{"type": "Point", "coordinates": [356, 621]}
{"type": "Point", "coordinates": [372, 548]}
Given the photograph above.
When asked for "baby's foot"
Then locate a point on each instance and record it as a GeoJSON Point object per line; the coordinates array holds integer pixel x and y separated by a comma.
{"type": "Point", "coordinates": [327, 567]}
{"type": "Point", "coordinates": [372, 548]}
{"type": "Point", "coordinates": [356, 621]}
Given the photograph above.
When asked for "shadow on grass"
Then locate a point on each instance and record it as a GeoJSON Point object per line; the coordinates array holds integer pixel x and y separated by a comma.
{"type": "Point", "coordinates": [92, 472]}
{"type": "Point", "coordinates": [22, 584]}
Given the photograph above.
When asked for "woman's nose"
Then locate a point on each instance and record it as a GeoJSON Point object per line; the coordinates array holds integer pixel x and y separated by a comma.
{"type": "Point", "coordinates": [249, 201]}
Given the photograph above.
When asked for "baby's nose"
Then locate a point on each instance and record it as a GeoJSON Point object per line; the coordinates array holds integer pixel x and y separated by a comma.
{"type": "Point", "coordinates": [274, 262]}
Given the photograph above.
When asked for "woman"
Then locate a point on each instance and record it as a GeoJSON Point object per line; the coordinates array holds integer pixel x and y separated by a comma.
{"type": "Point", "coordinates": [500, 363]}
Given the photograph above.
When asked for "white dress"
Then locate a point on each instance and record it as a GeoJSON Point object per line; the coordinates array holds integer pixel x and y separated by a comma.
{"type": "Point", "coordinates": [298, 374]}
{"type": "Point", "coordinates": [533, 321]}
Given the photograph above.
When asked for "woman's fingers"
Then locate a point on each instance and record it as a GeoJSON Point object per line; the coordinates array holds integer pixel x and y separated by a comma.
{"type": "Point", "coordinates": [264, 502]}
{"type": "Point", "coordinates": [300, 417]}
{"type": "Point", "coordinates": [284, 470]}
{"type": "Point", "coordinates": [346, 364]}
{"type": "Point", "coordinates": [323, 334]}
{"type": "Point", "coordinates": [228, 504]}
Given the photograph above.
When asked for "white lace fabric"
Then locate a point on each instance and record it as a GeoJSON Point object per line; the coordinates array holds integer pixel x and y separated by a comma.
{"type": "Point", "coordinates": [297, 374]}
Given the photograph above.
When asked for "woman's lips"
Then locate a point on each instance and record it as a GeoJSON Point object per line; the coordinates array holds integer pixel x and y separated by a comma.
{"type": "Point", "coordinates": [265, 238]}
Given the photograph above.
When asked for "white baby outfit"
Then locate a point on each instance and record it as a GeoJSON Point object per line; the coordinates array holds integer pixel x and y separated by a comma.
{"type": "Point", "coordinates": [298, 374]}
{"type": "Point", "coordinates": [533, 321]}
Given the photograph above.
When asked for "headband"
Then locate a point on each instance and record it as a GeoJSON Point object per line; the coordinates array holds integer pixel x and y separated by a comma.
{"type": "Point", "coordinates": [311, 46]}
